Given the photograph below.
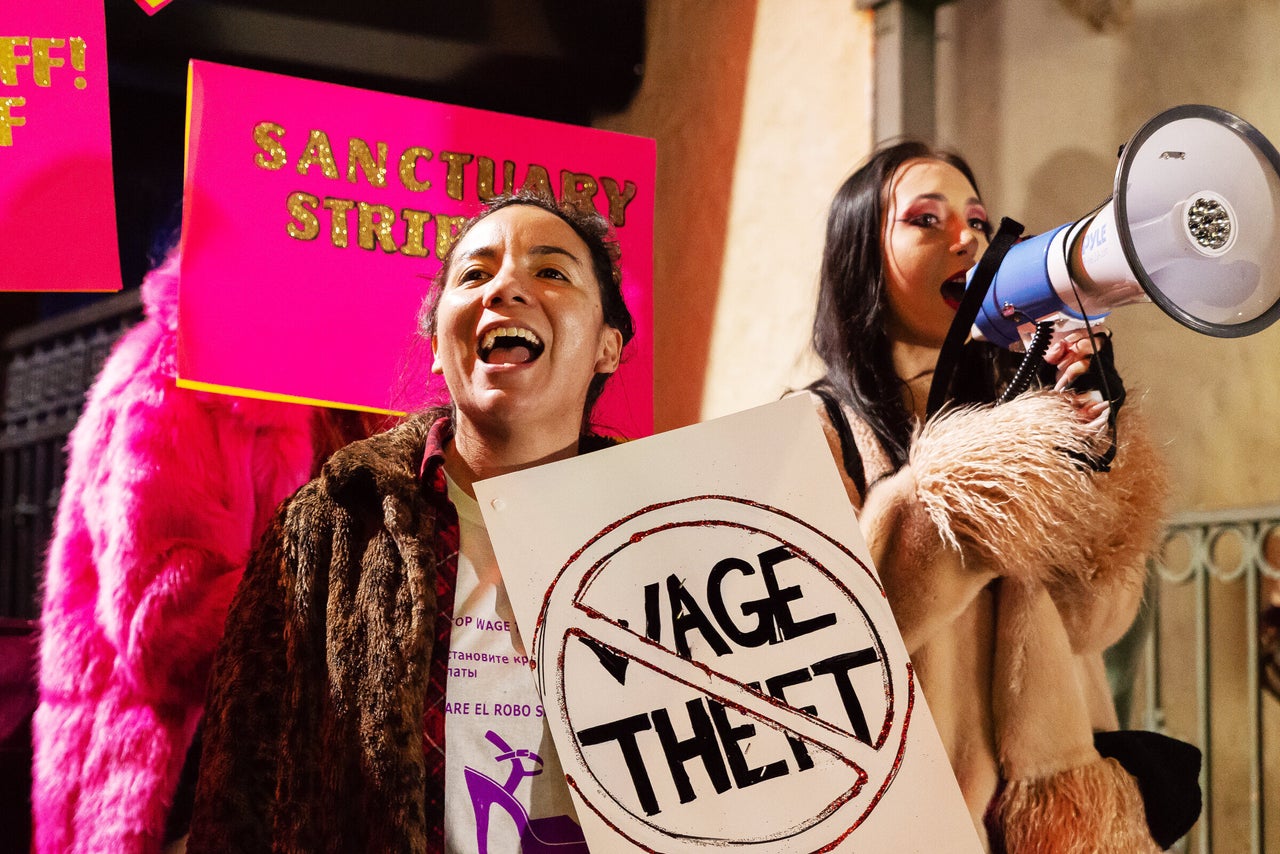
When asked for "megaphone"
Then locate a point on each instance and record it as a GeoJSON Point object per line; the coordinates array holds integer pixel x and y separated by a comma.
{"type": "Point", "coordinates": [1191, 226]}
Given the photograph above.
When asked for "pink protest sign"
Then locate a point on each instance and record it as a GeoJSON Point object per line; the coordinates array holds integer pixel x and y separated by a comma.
{"type": "Point", "coordinates": [152, 6]}
{"type": "Point", "coordinates": [57, 199]}
{"type": "Point", "coordinates": [315, 216]}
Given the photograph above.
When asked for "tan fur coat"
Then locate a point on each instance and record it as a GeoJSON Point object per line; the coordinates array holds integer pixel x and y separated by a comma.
{"type": "Point", "coordinates": [1010, 568]}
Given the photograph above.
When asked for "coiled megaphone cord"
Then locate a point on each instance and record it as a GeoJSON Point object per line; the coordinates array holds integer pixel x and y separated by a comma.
{"type": "Point", "coordinates": [1031, 362]}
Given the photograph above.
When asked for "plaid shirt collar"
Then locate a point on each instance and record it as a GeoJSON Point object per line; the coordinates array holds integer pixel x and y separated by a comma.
{"type": "Point", "coordinates": [431, 472]}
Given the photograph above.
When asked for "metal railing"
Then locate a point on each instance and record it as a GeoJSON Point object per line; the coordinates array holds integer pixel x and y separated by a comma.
{"type": "Point", "coordinates": [1209, 581]}
{"type": "Point", "coordinates": [47, 368]}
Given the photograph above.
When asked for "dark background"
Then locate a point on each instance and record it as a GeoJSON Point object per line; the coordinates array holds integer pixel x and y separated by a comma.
{"type": "Point", "coordinates": [562, 60]}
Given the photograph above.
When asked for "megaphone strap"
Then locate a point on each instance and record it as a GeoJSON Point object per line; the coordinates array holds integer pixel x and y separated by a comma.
{"type": "Point", "coordinates": [1005, 237]}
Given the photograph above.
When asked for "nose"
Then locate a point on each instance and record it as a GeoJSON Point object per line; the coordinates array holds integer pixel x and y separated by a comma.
{"type": "Point", "coordinates": [966, 242]}
{"type": "Point", "coordinates": [506, 286]}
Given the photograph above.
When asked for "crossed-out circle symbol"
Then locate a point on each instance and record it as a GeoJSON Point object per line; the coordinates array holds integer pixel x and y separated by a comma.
{"type": "Point", "coordinates": [685, 635]}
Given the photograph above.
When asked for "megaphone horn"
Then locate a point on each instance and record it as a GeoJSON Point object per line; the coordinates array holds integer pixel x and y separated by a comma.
{"type": "Point", "coordinates": [1191, 225]}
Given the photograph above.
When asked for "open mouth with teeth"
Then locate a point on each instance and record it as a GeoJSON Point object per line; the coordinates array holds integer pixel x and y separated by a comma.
{"type": "Point", "coordinates": [953, 290]}
{"type": "Point", "coordinates": [509, 345]}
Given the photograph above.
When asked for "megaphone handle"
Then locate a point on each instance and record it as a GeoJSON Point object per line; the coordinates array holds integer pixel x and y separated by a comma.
{"type": "Point", "coordinates": [1112, 389]}
{"type": "Point", "coordinates": [1005, 237]}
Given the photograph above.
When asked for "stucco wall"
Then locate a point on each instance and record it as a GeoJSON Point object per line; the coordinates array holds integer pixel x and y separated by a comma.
{"type": "Point", "coordinates": [760, 110]}
{"type": "Point", "coordinates": [690, 102]}
{"type": "Point", "coordinates": [806, 124]}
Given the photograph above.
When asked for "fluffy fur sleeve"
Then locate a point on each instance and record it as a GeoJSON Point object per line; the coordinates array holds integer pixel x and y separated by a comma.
{"type": "Point", "coordinates": [991, 491]}
{"type": "Point", "coordinates": [166, 492]}
{"type": "Point", "coordinates": [1000, 482]}
{"type": "Point", "coordinates": [1099, 598]}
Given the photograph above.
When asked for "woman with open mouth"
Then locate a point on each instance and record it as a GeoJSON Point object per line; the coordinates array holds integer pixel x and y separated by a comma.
{"type": "Point", "coordinates": [376, 590]}
{"type": "Point", "coordinates": [1010, 564]}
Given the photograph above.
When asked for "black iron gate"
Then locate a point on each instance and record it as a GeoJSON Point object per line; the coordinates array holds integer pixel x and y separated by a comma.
{"type": "Point", "coordinates": [47, 368]}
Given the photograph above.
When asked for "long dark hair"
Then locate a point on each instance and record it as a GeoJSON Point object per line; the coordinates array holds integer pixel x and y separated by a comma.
{"type": "Point", "coordinates": [849, 327]}
{"type": "Point", "coordinates": [593, 229]}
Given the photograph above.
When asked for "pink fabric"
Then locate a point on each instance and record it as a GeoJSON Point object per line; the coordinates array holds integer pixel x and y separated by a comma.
{"type": "Point", "coordinates": [166, 491]}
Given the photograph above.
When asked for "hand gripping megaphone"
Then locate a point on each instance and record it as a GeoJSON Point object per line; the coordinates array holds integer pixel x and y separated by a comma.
{"type": "Point", "coordinates": [1193, 225]}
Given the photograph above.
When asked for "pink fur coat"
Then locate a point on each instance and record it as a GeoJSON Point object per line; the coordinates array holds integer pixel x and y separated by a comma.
{"type": "Point", "coordinates": [166, 491]}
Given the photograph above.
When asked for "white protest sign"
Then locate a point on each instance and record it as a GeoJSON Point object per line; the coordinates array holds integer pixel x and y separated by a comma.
{"type": "Point", "coordinates": [716, 655]}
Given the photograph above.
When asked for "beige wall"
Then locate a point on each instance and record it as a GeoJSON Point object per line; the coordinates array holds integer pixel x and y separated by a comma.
{"type": "Point", "coordinates": [760, 110]}
{"type": "Point", "coordinates": [691, 103]}
{"type": "Point", "coordinates": [806, 124]}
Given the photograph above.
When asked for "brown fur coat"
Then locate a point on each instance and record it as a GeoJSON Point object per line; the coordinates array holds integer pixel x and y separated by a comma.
{"type": "Point", "coordinates": [1010, 569]}
{"type": "Point", "coordinates": [314, 733]}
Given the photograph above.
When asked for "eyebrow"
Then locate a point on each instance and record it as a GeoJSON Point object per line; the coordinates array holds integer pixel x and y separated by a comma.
{"type": "Point", "coordinates": [553, 250]}
{"type": "Point", "coordinates": [939, 197]}
{"type": "Point", "coordinates": [479, 252]}
{"type": "Point", "coordinates": [489, 252]}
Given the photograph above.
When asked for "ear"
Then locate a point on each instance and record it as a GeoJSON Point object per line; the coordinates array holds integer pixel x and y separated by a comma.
{"type": "Point", "coordinates": [610, 353]}
{"type": "Point", "coordinates": [436, 368]}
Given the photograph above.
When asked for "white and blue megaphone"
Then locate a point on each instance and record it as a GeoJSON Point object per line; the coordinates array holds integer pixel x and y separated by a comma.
{"type": "Point", "coordinates": [1193, 225]}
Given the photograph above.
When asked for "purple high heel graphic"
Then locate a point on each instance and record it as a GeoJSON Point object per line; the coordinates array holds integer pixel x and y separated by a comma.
{"type": "Point", "coordinates": [557, 834]}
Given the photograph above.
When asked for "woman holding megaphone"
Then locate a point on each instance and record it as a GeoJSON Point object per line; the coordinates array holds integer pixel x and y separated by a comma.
{"type": "Point", "coordinates": [1010, 557]}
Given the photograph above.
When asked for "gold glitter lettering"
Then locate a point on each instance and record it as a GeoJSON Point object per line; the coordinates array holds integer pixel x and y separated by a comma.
{"type": "Point", "coordinates": [577, 189]}
{"type": "Point", "coordinates": [338, 217]}
{"type": "Point", "coordinates": [415, 224]}
{"type": "Point", "coordinates": [8, 120]}
{"type": "Point", "coordinates": [358, 154]}
{"type": "Point", "coordinates": [375, 224]}
{"type": "Point", "coordinates": [77, 60]}
{"type": "Point", "coordinates": [302, 207]}
{"type": "Point", "coordinates": [409, 169]}
{"type": "Point", "coordinates": [537, 181]}
{"type": "Point", "coordinates": [267, 137]}
{"type": "Point", "coordinates": [453, 178]}
{"type": "Point", "coordinates": [318, 151]}
{"type": "Point", "coordinates": [9, 61]}
{"type": "Point", "coordinates": [447, 228]}
{"type": "Point", "coordinates": [41, 61]}
{"type": "Point", "coordinates": [485, 188]}
{"type": "Point", "coordinates": [618, 199]}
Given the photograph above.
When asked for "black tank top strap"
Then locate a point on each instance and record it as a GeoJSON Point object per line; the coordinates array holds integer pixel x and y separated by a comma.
{"type": "Point", "coordinates": [850, 456]}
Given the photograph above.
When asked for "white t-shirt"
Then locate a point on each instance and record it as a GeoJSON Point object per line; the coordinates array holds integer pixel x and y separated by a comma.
{"type": "Point", "coordinates": [503, 780]}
